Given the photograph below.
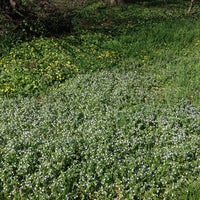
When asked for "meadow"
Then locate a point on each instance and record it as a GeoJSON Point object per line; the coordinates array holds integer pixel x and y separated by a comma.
{"type": "Point", "coordinates": [110, 111]}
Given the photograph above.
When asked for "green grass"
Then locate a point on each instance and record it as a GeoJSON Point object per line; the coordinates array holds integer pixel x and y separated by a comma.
{"type": "Point", "coordinates": [190, 192]}
{"type": "Point", "coordinates": [111, 111]}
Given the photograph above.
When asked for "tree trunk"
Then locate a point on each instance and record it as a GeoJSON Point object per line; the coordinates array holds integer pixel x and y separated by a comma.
{"type": "Point", "coordinates": [9, 4]}
{"type": "Point", "coordinates": [191, 5]}
{"type": "Point", "coordinates": [114, 2]}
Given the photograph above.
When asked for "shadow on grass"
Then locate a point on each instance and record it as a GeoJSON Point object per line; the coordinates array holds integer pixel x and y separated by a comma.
{"type": "Point", "coordinates": [136, 15]}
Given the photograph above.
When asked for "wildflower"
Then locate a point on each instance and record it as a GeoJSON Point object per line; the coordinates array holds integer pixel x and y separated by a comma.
{"type": "Point", "coordinates": [107, 54]}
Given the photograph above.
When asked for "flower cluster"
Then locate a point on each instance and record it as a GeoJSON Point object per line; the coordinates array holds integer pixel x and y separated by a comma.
{"type": "Point", "coordinates": [96, 138]}
{"type": "Point", "coordinates": [35, 65]}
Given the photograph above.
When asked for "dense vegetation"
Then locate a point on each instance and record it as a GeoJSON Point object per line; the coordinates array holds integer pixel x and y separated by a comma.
{"type": "Point", "coordinates": [109, 111]}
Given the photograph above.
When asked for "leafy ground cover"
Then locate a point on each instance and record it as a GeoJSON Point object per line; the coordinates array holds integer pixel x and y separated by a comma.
{"type": "Point", "coordinates": [111, 111]}
{"type": "Point", "coordinates": [34, 66]}
{"type": "Point", "coordinates": [96, 134]}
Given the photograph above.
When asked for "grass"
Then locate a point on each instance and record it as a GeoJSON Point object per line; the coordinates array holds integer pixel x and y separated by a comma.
{"type": "Point", "coordinates": [111, 111]}
{"type": "Point", "coordinates": [191, 192]}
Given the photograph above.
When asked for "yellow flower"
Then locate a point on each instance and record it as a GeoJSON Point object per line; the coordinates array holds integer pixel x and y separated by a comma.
{"type": "Point", "coordinates": [107, 54]}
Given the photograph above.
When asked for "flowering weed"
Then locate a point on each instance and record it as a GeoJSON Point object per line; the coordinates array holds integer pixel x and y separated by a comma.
{"type": "Point", "coordinates": [95, 137]}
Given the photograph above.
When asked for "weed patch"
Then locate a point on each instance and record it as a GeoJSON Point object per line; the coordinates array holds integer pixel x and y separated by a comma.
{"type": "Point", "coordinates": [92, 135]}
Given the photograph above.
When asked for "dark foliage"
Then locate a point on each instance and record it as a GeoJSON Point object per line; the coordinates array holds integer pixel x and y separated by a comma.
{"type": "Point", "coordinates": [40, 17]}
